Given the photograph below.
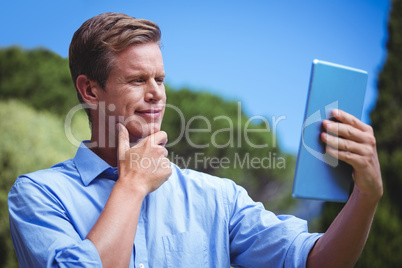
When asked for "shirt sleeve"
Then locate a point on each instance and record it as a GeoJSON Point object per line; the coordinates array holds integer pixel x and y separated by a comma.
{"type": "Point", "coordinates": [259, 238]}
{"type": "Point", "coordinates": [42, 232]}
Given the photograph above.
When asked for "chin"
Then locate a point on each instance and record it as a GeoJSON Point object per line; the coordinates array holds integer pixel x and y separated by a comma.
{"type": "Point", "coordinates": [140, 132]}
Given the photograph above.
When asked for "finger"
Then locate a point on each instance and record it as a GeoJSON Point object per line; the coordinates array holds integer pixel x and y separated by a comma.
{"type": "Point", "coordinates": [344, 130]}
{"type": "Point", "coordinates": [349, 119]}
{"type": "Point", "coordinates": [349, 132]}
{"type": "Point", "coordinates": [353, 159]}
{"type": "Point", "coordinates": [165, 152]}
{"type": "Point", "coordinates": [161, 139]}
{"type": "Point", "coordinates": [165, 163]}
{"type": "Point", "coordinates": [158, 138]}
{"type": "Point", "coordinates": [123, 141]}
{"type": "Point", "coordinates": [346, 145]}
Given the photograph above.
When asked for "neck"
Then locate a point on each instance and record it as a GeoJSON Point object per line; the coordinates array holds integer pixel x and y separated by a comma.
{"type": "Point", "coordinates": [105, 149]}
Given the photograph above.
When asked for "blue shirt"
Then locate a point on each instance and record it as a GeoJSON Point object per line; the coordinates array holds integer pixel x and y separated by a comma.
{"type": "Point", "coordinates": [192, 220]}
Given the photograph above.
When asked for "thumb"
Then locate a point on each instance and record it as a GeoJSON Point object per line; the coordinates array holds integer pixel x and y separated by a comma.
{"type": "Point", "coordinates": [123, 142]}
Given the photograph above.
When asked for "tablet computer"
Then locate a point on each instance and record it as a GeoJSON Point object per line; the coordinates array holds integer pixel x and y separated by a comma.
{"type": "Point", "coordinates": [318, 175]}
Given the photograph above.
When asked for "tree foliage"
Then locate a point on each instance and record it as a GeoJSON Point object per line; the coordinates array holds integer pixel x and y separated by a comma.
{"type": "Point", "coordinates": [30, 140]}
{"type": "Point", "coordinates": [385, 239]}
{"type": "Point", "coordinates": [38, 77]}
{"type": "Point", "coordinates": [387, 116]}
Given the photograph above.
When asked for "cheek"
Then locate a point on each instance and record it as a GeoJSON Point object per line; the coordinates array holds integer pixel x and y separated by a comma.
{"type": "Point", "coordinates": [127, 104]}
{"type": "Point", "coordinates": [163, 113]}
{"type": "Point", "coordinates": [115, 110]}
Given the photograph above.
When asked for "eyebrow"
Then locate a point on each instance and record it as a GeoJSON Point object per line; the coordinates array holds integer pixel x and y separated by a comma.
{"type": "Point", "coordinates": [134, 75]}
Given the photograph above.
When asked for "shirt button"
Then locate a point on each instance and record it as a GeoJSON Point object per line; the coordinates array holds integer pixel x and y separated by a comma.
{"type": "Point", "coordinates": [142, 265]}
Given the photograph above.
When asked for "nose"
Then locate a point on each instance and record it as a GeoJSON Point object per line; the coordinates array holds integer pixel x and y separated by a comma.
{"type": "Point", "coordinates": [154, 92]}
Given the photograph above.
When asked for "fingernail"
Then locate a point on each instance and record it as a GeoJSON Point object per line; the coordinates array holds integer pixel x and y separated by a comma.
{"type": "Point", "coordinates": [336, 112]}
{"type": "Point", "coordinates": [326, 123]}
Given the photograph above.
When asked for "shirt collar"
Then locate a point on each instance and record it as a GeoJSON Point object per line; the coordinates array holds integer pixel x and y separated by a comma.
{"type": "Point", "coordinates": [90, 165]}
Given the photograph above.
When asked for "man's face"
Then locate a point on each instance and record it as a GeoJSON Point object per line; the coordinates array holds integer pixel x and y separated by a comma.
{"type": "Point", "coordinates": [134, 93]}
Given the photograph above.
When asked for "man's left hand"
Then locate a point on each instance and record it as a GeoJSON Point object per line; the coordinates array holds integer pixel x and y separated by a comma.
{"type": "Point", "coordinates": [354, 143]}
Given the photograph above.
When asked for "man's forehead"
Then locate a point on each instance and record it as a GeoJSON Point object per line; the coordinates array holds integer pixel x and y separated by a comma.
{"type": "Point", "coordinates": [148, 54]}
{"type": "Point", "coordinates": [139, 61]}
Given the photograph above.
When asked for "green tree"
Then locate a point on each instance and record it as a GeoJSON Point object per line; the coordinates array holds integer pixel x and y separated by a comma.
{"type": "Point", "coordinates": [38, 77]}
{"type": "Point", "coordinates": [385, 239]}
{"type": "Point", "coordinates": [387, 116]}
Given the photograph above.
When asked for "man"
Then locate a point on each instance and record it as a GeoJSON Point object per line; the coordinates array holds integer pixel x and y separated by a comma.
{"type": "Point", "coordinates": [121, 203]}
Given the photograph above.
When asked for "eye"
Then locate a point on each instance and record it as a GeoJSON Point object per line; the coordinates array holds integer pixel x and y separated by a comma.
{"type": "Point", "coordinates": [137, 81]}
{"type": "Point", "coordinates": [160, 80]}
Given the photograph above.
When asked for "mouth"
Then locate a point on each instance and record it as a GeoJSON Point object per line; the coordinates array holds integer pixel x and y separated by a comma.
{"type": "Point", "coordinates": [149, 113]}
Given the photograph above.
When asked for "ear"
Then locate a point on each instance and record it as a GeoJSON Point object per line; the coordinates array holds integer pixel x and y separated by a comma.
{"type": "Point", "coordinates": [88, 89]}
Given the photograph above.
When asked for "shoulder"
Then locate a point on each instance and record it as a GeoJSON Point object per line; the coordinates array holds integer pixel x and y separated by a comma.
{"type": "Point", "coordinates": [40, 191]}
{"type": "Point", "coordinates": [55, 178]}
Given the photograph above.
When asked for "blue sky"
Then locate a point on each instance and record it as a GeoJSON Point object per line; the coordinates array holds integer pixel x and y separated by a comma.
{"type": "Point", "coordinates": [257, 52]}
